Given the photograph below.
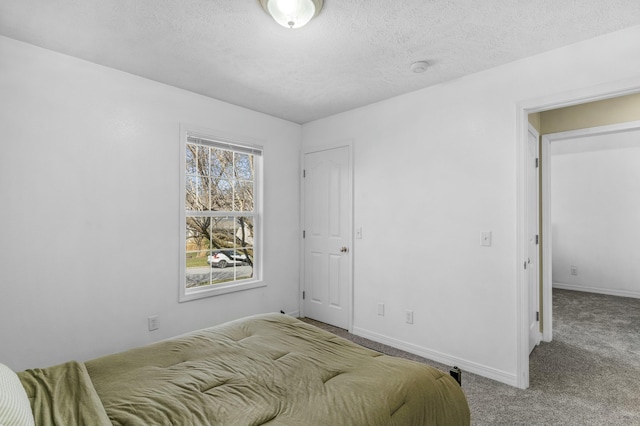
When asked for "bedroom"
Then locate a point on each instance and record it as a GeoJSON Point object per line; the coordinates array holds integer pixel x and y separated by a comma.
{"type": "Point", "coordinates": [90, 231]}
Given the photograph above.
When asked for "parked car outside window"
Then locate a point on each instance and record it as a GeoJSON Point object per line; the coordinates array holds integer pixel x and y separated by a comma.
{"type": "Point", "coordinates": [223, 258]}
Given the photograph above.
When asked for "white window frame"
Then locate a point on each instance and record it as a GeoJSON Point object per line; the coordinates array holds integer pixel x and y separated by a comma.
{"type": "Point", "coordinates": [243, 145]}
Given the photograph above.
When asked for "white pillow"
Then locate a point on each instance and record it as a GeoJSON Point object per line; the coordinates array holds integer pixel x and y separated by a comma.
{"type": "Point", "coordinates": [15, 409]}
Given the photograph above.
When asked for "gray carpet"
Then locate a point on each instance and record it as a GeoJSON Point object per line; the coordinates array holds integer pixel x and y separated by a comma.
{"type": "Point", "coordinates": [588, 375]}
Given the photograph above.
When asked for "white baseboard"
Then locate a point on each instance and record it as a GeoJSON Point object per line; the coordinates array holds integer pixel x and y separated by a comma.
{"type": "Point", "coordinates": [586, 289]}
{"type": "Point", "coordinates": [295, 314]}
{"type": "Point", "coordinates": [464, 365]}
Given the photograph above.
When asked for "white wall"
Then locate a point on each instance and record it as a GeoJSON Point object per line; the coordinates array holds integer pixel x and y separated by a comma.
{"type": "Point", "coordinates": [435, 168]}
{"type": "Point", "coordinates": [89, 229]}
{"type": "Point", "coordinates": [595, 211]}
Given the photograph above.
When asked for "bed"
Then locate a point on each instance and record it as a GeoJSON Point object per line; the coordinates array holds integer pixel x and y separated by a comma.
{"type": "Point", "coordinates": [268, 369]}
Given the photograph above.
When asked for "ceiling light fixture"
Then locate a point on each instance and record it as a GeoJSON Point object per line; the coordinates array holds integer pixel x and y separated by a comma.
{"type": "Point", "coordinates": [292, 13]}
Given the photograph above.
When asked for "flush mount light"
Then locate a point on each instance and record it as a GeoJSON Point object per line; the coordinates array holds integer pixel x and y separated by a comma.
{"type": "Point", "coordinates": [292, 13]}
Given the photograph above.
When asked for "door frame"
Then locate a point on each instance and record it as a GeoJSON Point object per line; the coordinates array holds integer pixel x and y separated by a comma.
{"type": "Point", "coordinates": [523, 109]}
{"type": "Point", "coordinates": [535, 210]}
{"type": "Point", "coordinates": [350, 205]}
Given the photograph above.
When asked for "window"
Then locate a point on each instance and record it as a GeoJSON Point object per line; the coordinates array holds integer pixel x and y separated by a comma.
{"type": "Point", "coordinates": [221, 218]}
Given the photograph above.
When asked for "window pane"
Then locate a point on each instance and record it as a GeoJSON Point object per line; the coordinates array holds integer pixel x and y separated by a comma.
{"type": "Point", "coordinates": [204, 194]}
{"type": "Point", "coordinates": [191, 159]}
{"type": "Point", "coordinates": [243, 166]}
{"type": "Point", "coordinates": [247, 255]}
{"type": "Point", "coordinates": [221, 195]}
{"type": "Point", "coordinates": [198, 271]}
{"type": "Point", "coordinates": [197, 187]}
{"type": "Point", "coordinates": [197, 193]}
{"type": "Point", "coordinates": [243, 199]}
{"type": "Point", "coordinates": [244, 233]}
{"type": "Point", "coordinates": [203, 161]}
{"type": "Point", "coordinates": [191, 192]}
{"type": "Point", "coordinates": [221, 163]}
{"type": "Point", "coordinates": [222, 232]}
{"type": "Point", "coordinates": [198, 233]}
{"type": "Point", "coordinates": [243, 272]}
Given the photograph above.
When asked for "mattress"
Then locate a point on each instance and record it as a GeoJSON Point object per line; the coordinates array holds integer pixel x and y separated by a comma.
{"type": "Point", "coordinates": [268, 369]}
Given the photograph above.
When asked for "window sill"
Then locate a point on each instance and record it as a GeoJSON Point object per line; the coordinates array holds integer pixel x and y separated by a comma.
{"type": "Point", "coordinates": [218, 290]}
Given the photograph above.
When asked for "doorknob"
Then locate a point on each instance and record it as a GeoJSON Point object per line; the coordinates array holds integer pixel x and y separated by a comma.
{"type": "Point", "coordinates": [344, 250]}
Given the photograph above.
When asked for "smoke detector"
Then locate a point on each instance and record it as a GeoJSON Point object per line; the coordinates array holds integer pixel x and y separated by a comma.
{"type": "Point", "coordinates": [419, 67]}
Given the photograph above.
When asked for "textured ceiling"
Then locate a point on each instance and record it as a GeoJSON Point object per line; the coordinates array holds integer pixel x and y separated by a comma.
{"type": "Point", "coordinates": [354, 53]}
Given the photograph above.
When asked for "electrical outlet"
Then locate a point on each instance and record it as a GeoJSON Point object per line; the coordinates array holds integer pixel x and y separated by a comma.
{"type": "Point", "coordinates": [152, 322]}
{"type": "Point", "coordinates": [408, 317]}
{"type": "Point", "coordinates": [574, 270]}
{"type": "Point", "coordinates": [381, 309]}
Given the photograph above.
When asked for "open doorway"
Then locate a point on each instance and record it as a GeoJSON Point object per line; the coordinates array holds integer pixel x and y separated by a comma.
{"type": "Point", "coordinates": [591, 108]}
{"type": "Point", "coordinates": [567, 135]}
{"type": "Point", "coordinates": [589, 220]}
{"type": "Point", "coordinates": [592, 174]}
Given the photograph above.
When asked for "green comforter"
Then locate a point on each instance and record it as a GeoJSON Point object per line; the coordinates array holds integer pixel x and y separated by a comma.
{"type": "Point", "coordinates": [268, 369]}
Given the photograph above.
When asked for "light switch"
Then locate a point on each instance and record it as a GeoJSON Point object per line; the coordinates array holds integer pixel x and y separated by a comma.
{"type": "Point", "coordinates": [359, 233]}
{"type": "Point", "coordinates": [485, 238]}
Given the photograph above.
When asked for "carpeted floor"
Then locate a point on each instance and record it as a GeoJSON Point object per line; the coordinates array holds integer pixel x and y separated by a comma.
{"type": "Point", "coordinates": [588, 375]}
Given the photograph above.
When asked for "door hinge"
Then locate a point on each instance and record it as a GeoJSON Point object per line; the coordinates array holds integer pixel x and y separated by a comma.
{"type": "Point", "coordinates": [537, 162]}
{"type": "Point", "coordinates": [525, 264]}
{"type": "Point", "coordinates": [537, 316]}
{"type": "Point", "coordinates": [304, 173]}
{"type": "Point", "coordinates": [303, 295]}
{"type": "Point", "coordinates": [304, 234]}
{"type": "Point", "coordinates": [537, 239]}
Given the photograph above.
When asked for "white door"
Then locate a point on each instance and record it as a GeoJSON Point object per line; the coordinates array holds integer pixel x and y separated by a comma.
{"type": "Point", "coordinates": [532, 236]}
{"type": "Point", "coordinates": [327, 236]}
